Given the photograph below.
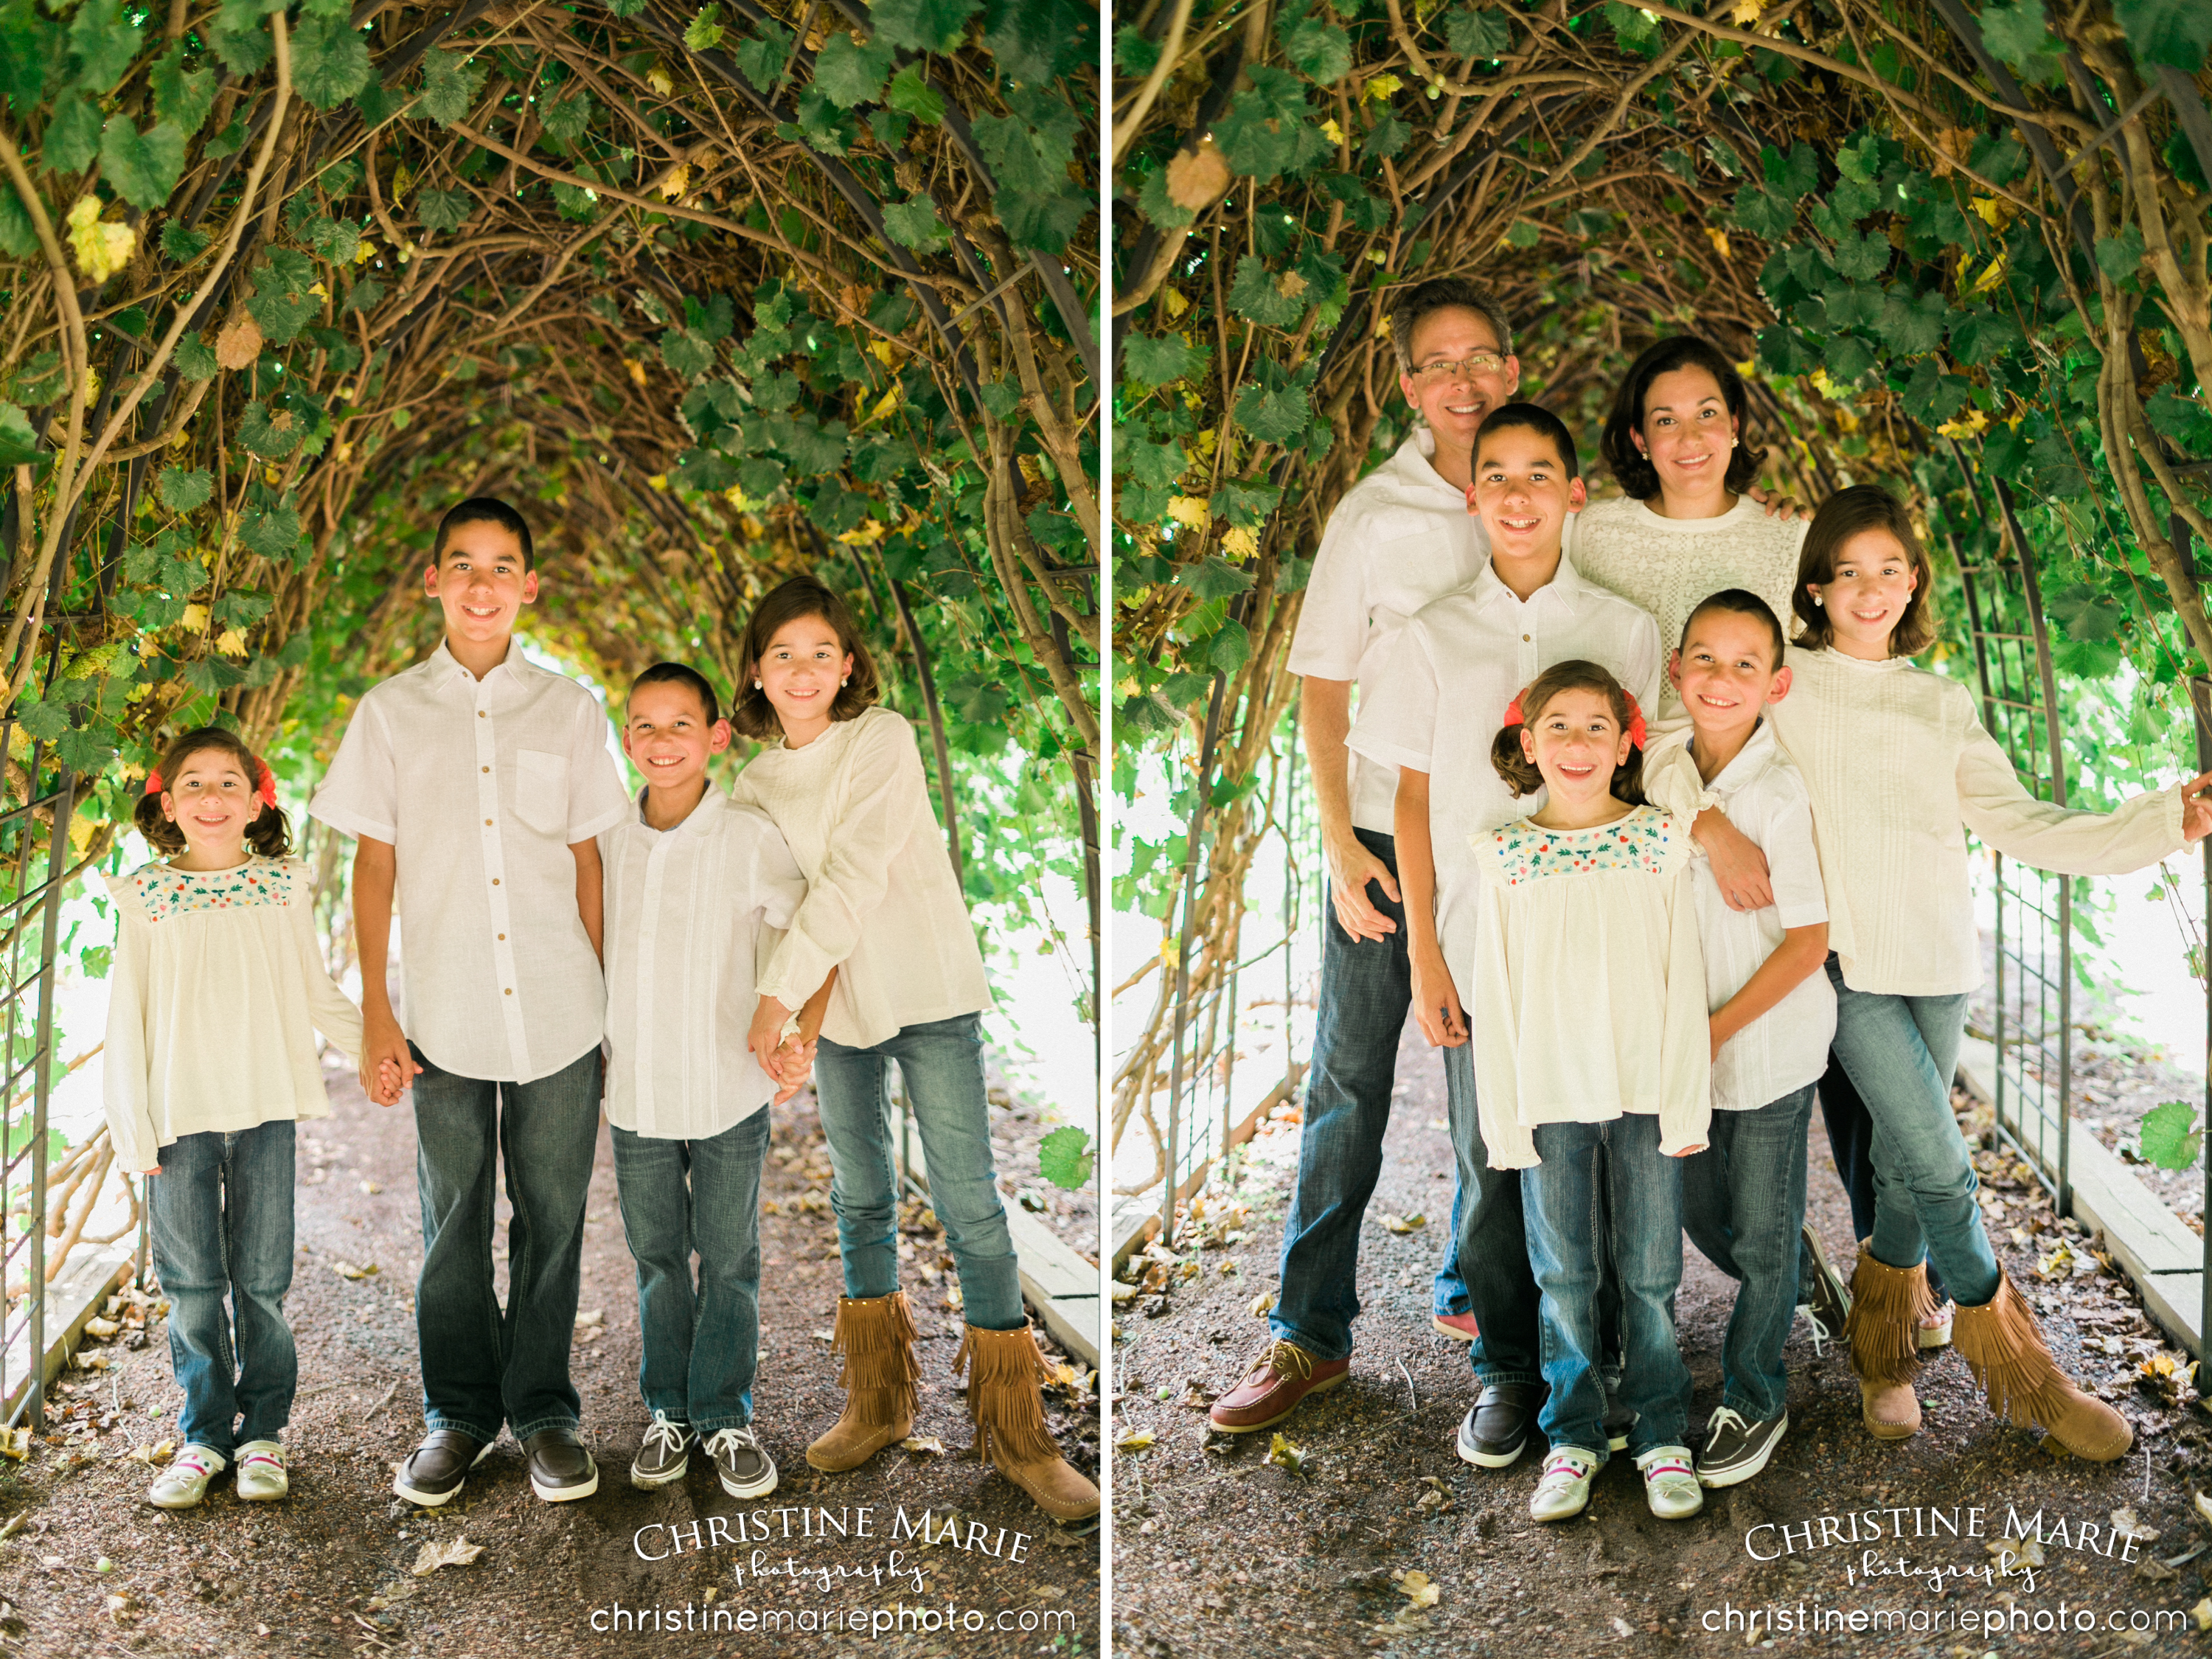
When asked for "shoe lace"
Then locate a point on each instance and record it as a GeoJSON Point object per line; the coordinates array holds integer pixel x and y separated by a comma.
{"type": "Point", "coordinates": [1822, 1335]}
{"type": "Point", "coordinates": [1283, 1357]}
{"type": "Point", "coordinates": [731, 1440]}
{"type": "Point", "coordinates": [665, 1436]}
{"type": "Point", "coordinates": [1726, 1417]}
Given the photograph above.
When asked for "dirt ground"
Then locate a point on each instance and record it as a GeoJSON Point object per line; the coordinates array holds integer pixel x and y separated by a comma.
{"type": "Point", "coordinates": [1222, 1549]}
{"type": "Point", "coordinates": [333, 1571]}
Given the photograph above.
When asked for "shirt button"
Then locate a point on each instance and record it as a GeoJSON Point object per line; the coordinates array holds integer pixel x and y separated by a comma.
{"type": "Point", "coordinates": [482, 715]}
{"type": "Point", "coordinates": [495, 881]}
{"type": "Point", "coordinates": [502, 936]}
{"type": "Point", "coordinates": [1524, 639]}
{"type": "Point", "coordinates": [487, 768]}
{"type": "Point", "coordinates": [487, 823]}
{"type": "Point", "coordinates": [510, 990]}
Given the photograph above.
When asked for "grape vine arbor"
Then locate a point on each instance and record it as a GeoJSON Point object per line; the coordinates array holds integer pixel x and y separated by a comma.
{"type": "Point", "coordinates": [718, 296]}
{"type": "Point", "coordinates": [1955, 246]}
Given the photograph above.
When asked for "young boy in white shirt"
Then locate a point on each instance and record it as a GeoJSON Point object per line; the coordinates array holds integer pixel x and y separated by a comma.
{"type": "Point", "coordinates": [476, 785]}
{"type": "Point", "coordinates": [1773, 1017]}
{"type": "Point", "coordinates": [698, 891]}
{"type": "Point", "coordinates": [1430, 714]}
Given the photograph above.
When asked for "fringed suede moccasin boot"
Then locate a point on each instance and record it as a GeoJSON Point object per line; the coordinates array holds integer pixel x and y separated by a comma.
{"type": "Point", "coordinates": [875, 1337]}
{"type": "Point", "coordinates": [1004, 1399]}
{"type": "Point", "coordinates": [2005, 1349]}
{"type": "Point", "coordinates": [1883, 1330]}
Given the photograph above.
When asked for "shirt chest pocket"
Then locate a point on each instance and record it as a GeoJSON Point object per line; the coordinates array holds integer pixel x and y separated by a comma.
{"type": "Point", "coordinates": [541, 791]}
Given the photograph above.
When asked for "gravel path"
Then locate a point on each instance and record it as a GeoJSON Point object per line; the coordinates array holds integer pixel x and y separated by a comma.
{"type": "Point", "coordinates": [1220, 1551]}
{"type": "Point", "coordinates": [331, 1571]}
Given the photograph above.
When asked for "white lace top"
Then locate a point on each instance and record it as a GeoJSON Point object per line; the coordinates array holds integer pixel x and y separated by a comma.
{"type": "Point", "coordinates": [1589, 987]}
{"type": "Point", "coordinates": [218, 989]}
{"type": "Point", "coordinates": [1668, 566]}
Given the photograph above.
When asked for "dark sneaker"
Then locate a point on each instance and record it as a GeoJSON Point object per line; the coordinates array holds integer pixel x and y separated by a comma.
{"type": "Point", "coordinates": [1830, 1302]}
{"type": "Point", "coordinates": [561, 1470]}
{"type": "Point", "coordinates": [1493, 1433]}
{"type": "Point", "coordinates": [1735, 1450]}
{"type": "Point", "coordinates": [1460, 1327]}
{"type": "Point", "coordinates": [1270, 1389]}
{"type": "Point", "coordinates": [435, 1470]}
{"type": "Point", "coordinates": [664, 1455]}
{"type": "Point", "coordinates": [745, 1469]}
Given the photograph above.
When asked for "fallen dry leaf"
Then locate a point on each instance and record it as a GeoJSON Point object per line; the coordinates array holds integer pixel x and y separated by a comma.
{"type": "Point", "coordinates": [100, 1329]}
{"type": "Point", "coordinates": [2202, 1613]}
{"type": "Point", "coordinates": [347, 1270]}
{"type": "Point", "coordinates": [2152, 1571]}
{"type": "Point", "coordinates": [239, 343]}
{"type": "Point", "coordinates": [1282, 1452]}
{"type": "Point", "coordinates": [596, 1317]}
{"type": "Point", "coordinates": [2204, 1509]}
{"type": "Point", "coordinates": [16, 1444]}
{"type": "Point", "coordinates": [1196, 179]}
{"type": "Point", "coordinates": [1405, 1224]}
{"type": "Point", "coordinates": [155, 1454]}
{"type": "Point", "coordinates": [1263, 1305]}
{"type": "Point", "coordinates": [455, 1552]}
{"type": "Point", "coordinates": [2015, 1554]}
{"type": "Point", "coordinates": [921, 1442]}
{"type": "Point", "coordinates": [2125, 1523]}
{"type": "Point", "coordinates": [398, 1591]}
{"type": "Point", "coordinates": [1140, 1441]}
{"type": "Point", "coordinates": [1417, 1588]}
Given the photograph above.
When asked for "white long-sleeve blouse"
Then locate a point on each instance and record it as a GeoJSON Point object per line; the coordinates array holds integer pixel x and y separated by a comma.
{"type": "Point", "coordinates": [1900, 766]}
{"type": "Point", "coordinates": [1590, 993]}
{"type": "Point", "coordinates": [216, 990]}
{"type": "Point", "coordinates": [881, 904]}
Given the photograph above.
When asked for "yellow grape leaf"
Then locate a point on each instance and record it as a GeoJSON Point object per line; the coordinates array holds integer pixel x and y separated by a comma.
{"type": "Point", "coordinates": [402, 182]}
{"type": "Point", "coordinates": [679, 179]}
{"type": "Point", "coordinates": [661, 80]}
{"type": "Point", "coordinates": [1240, 542]}
{"type": "Point", "coordinates": [1968, 425]}
{"type": "Point", "coordinates": [363, 252]}
{"type": "Point", "coordinates": [1190, 510]}
{"type": "Point", "coordinates": [101, 249]}
{"type": "Point", "coordinates": [1380, 88]}
{"type": "Point", "coordinates": [1744, 13]}
{"type": "Point", "coordinates": [1175, 303]}
{"type": "Point", "coordinates": [347, 1270]}
{"type": "Point", "coordinates": [195, 619]}
{"type": "Point", "coordinates": [231, 642]}
{"type": "Point", "coordinates": [1719, 240]}
{"type": "Point", "coordinates": [1334, 133]}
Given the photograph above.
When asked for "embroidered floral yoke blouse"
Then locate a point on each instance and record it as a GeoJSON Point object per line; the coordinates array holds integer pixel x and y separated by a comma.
{"type": "Point", "coordinates": [218, 977]}
{"type": "Point", "coordinates": [1590, 993]}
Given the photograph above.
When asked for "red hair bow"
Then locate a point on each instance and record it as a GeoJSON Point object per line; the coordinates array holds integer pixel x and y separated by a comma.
{"type": "Point", "coordinates": [1635, 718]}
{"type": "Point", "coordinates": [268, 789]}
{"type": "Point", "coordinates": [1513, 715]}
{"type": "Point", "coordinates": [154, 784]}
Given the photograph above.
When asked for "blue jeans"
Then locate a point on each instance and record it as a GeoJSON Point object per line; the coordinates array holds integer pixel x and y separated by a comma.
{"type": "Point", "coordinates": [703, 1345]}
{"type": "Point", "coordinates": [941, 1062]}
{"type": "Point", "coordinates": [1601, 1183]}
{"type": "Point", "coordinates": [1743, 1200]}
{"type": "Point", "coordinates": [483, 1364]}
{"type": "Point", "coordinates": [221, 1214]}
{"type": "Point", "coordinates": [1901, 1054]}
{"type": "Point", "coordinates": [1366, 991]}
{"type": "Point", "coordinates": [1850, 1138]}
{"type": "Point", "coordinates": [1492, 1233]}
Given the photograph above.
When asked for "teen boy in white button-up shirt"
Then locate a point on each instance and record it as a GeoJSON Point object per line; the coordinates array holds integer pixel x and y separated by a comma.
{"type": "Point", "coordinates": [474, 785]}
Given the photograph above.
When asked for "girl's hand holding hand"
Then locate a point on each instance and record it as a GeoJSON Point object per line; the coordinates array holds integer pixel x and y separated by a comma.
{"type": "Point", "coordinates": [1436, 1001]}
{"type": "Point", "coordinates": [790, 1066]}
{"type": "Point", "coordinates": [765, 1035]}
{"type": "Point", "coordinates": [2197, 808]}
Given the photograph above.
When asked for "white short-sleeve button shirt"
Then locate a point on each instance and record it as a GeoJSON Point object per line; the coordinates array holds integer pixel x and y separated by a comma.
{"type": "Point", "coordinates": [482, 786]}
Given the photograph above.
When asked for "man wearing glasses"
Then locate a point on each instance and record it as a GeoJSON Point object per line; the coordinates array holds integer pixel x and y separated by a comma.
{"type": "Point", "coordinates": [1402, 536]}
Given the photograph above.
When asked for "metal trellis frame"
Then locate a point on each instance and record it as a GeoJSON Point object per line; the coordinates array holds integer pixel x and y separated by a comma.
{"type": "Point", "coordinates": [2032, 995]}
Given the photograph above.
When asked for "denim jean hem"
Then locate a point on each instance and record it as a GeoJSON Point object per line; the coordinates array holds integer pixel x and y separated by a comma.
{"type": "Point", "coordinates": [524, 1430]}
{"type": "Point", "coordinates": [1498, 1379]}
{"type": "Point", "coordinates": [1283, 1332]}
{"type": "Point", "coordinates": [707, 1427]}
{"type": "Point", "coordinates": [1743, 1406]}
{"type": "Point", "coordinates": [436, 1421]}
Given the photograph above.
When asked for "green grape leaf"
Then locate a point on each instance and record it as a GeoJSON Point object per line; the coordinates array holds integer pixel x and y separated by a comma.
{"type": "Point", "coordinates": [913, 223]}
{"type": "Point", "coordinates": [1213, 578]}
{"type": "Point", "coordinates": [2018, 31]}
{"type": "Point", "coordinates": [2169, 1136]}
{"type": "Point", "coordinates": [851, 72]}
{"type": "Point", "coordinates": [142, 166]}
{"type": "Point", "coordinates": [1157, 362]}
{"type": "Point", "coordinates": [443, 209]}
{"type": "Point", "coordinates": [272, 437]}
{"type": "Point", "coordinates": [19, 237]}
{"type": "Point", "coordinates": [72, 136]}
{"type": "Point", "coordinates": [761, 55]}
{"type": "Point", "coordinates": [183, 99]}
{"type": "Point", "coordinates": [1320, 50]}
{"type": "Point", "coordinates": [195, 358]}
{"type": "Point", "coordinates": [450, 85]}
{"type": "Point", "coordinates": [103, 41]}
{"type": "Point", "coordinates": [330, 60]}
{"type": "Point", "coordinates": [181, 491]}
{"type": "Point", "coordinates": [29, 46]}
{"type": "Point", "coordinates": [19, 445]}
{"type": "Point", "coordinates": [2176, 33]}
{"type": "Point", "coordinates": [1065, 1158]}
{"type": "Point", "coordinates": [910, 92]}
{"type": "Point", "coordinates": [923, 25]}
{"type": "Point", "coordinates": [564, 122]}
{"type": "Point", "coordinates": [274, 532]}
{"type": "Point", "coordinates": [1478, 31]}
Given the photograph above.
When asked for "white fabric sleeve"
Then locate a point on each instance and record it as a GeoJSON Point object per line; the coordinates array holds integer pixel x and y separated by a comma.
{"type": "Point", "coordinates": [885, 795]}
{"type": "Point", "coordinates": [778, 885]}
{"type": "Point", "coordinates": [332, 1011]}
{"type": "Point", "coordinates": [1397, 723]}
{"type": "Point", "coordinates": [1333, 623]}
{"type": "Point", "coordinates": [2138, 833]}
{"type": "Point", "coordinates": [597, 798]}
{"type": "Point", "coordinates": [360, 793]}
{"type": "Point", "coordinates": [1671, 783]}
{"type": "Point", "coordinates": [1793, 862]}
{"type": "Point", "coordinates": [1686, 1043]}
{"type": "Point", "coordinates": [1510, 1144]}
{"type": "Point", "coordinates": [128, 1051]}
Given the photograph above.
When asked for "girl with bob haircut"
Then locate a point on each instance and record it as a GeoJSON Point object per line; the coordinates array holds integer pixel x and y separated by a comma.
{"type": "Point", "coordinates": [219, 989]}
{"type": "Point", "coordinates": [1898, 767]}
{"type": "Point", "coordinates": [1592, 1054]}
{"type": "Point", "coordinates": [842, 780]}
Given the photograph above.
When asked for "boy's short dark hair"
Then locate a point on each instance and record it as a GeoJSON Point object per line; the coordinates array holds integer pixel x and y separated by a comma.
{"type": "Point", "coordinates": [1534, 417]}
{"type": "Point", "coordinates": [1445, 293]}
{"type": "Point", "coordinates": [1842, 516]}
{"type": "Point", "coordinates": [1739, 602]}
{"type": "Point", "coordinates": [484, 509]}
{"type": "Point", "coordinates": [677, 673]}
{"type": "Point", "coordinates": [787, 602]}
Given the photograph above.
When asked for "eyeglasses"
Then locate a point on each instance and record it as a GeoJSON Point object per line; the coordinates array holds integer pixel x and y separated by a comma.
{"type": "Point", "coordinates": [1464, 368]}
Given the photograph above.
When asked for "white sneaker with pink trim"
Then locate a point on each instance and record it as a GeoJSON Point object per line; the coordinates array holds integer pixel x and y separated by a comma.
{"type": "Point", "coordinates": [1670, 1483]}
{"type": "Point", "coordinates": [185, 1482]}
{"type": "Point", "coordinates": [1564, 1489]}
{"type": "Point", "coordinates": [261, 1474]}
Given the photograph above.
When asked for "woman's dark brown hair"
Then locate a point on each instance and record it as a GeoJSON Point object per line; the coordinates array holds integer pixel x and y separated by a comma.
{"type": "Point", "coordinates": [1629, 464]}
{"type": "Point", "coordinates": [1520, 773]}
{"type": "Point", "coordinates": [787, 603]}
{"type": "Point", "coordinates": [268, 835]}
{"type": "Point", "coordinates": [1842, 516]}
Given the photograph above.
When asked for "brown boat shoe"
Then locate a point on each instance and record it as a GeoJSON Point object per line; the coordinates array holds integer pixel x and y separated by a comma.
{"type": "Point", "coordinates": [1279, 1377]}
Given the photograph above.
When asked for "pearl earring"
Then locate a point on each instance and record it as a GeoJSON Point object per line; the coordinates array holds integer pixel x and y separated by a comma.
{"type": "Point", "coordinates": [1817, 599]}
{"type": "Point", "coordinates": [756, 685]}
{"type": "Point", "coordinates": [847, 680]}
